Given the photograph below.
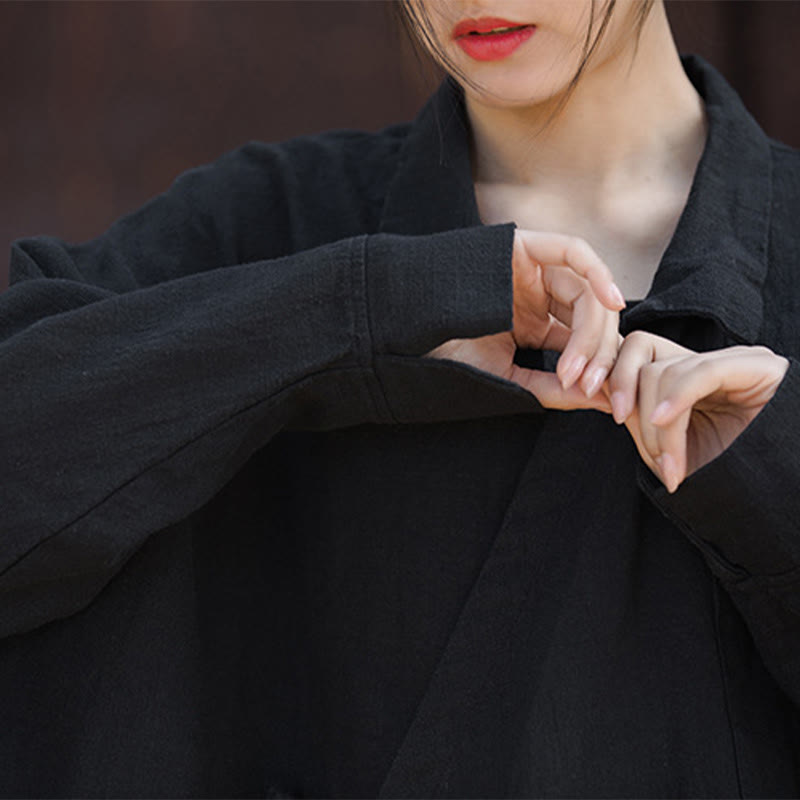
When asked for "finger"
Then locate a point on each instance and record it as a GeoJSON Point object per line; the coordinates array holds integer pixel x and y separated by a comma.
{"type": "Point", "coordinates": [602, 363]}
{"type": "Point", "coordinates": [637, 349]}
{"type": "Point", "coordinates": [556, 337]}
{"type": "Point", "coordinates": [573, 302]}
{"type": "Point", "coordinates": [593, 329]}
{"type": "Point", "coordinates": [632, 424]}
{"type": "Point", "coordinates": [547, 389]}
{"type": "Point", "coordinates": [672, 444]}
{"type": "Point", "coordinates": [735, 371]}
{"type": "Point", "coordinates": [660, 465]}
{"type": "Point", "coordinates": [556, 248]}
{"type": "Point", "coordinates": [647, 399]}
{"type": "Point", "coordinates": [672, 436]}
{"type": "Point", "coordinates": [540, 332]}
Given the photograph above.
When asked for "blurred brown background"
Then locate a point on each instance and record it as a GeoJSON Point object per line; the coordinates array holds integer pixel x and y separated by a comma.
{"type": "Point", "coordinates": [104, 103]}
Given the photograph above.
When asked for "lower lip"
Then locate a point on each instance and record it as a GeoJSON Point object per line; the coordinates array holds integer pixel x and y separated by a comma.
{"type": "Point", "coordinates": [494, 46]}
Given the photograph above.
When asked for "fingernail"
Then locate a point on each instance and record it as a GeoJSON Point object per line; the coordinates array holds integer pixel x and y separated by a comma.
{"type": "Point", "coordinates": [619, 406]}
{"type": "Point", "coordinates": [617, 295]}
{"type": "Point", "coordinates": [662, 471]}
{"type": "Point", "coordinates": [573, 371]}
{"type": "Point", "coordinates": [595, 380]}
{"type": "Point", "coordinates": [669, 471]}
{"type": "Point", "coordinates": [660, 412]}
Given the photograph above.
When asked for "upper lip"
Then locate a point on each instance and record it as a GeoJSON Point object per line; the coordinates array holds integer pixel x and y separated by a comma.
{"type": "Point", "coordinates": [483, 25]}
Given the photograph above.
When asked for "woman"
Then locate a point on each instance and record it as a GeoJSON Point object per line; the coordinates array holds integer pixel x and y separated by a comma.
{"type": "Point", "coordinates": [283, 512]}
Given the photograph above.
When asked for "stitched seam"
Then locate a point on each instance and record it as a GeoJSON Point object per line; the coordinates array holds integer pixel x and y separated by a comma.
{"type": "Point", "coordinates": [162, 460]}
{"type": "Point", "coordinates": [508, 516]}
{"type": "Point", "coordinates": [725, 686]}
{"type": "Point", "coordinates": [774, 584]}
{"type": "Point", "coordinates": [375, 384]}
{"type": "Point", "coordinates": [513, 625]}
{"type": "Point", "coordinates": [715, 561]}
{"type": "Point", "coordinates": [767, 232]}
{"type": "Point", "coordinates": [363, 357]}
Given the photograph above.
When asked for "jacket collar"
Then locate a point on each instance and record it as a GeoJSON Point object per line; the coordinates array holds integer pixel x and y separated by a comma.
{"type": "Point", "coordinates": [716, 262]}
{"type": "Point", "coordinates": [432, 189]}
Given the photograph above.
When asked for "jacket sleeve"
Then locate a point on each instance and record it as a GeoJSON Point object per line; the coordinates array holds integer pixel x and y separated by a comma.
{"type": "Point", "coordinates": [130, 397]}
{"type": "Point", "coordinates": [743, 511]}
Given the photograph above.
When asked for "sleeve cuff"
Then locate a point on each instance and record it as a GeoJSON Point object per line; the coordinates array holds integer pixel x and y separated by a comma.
{"type": "Point", "coordinates": [743, 508]}
{"type": "Point", "coordinates": [424, 290]}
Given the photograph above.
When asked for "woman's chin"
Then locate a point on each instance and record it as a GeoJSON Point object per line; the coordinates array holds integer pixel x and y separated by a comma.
{"type": "Point", "coordinates": [513, 87]}
{"type": "Point", "coordinates": [502, 96]}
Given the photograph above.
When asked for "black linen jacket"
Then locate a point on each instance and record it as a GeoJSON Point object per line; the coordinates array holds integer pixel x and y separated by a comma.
{"type": "Point", "coordinates": [253, 545]}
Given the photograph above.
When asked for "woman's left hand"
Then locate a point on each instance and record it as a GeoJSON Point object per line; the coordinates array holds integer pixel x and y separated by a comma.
{"type": "Point", "coordinates": [684, 408]}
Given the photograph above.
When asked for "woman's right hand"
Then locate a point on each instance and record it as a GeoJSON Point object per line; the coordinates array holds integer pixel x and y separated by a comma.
{"type": "Point", "coordinates": [565, 299]}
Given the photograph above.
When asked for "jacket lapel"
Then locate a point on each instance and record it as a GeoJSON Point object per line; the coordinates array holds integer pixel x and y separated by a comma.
{"type": "Point", "coordinates": [716, 263]}
{"type": "Point", "coordinates": [432, 190]}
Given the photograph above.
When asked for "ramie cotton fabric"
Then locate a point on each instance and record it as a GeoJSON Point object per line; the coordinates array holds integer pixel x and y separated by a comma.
{"type": "Point", "coordinates": [254, 544]}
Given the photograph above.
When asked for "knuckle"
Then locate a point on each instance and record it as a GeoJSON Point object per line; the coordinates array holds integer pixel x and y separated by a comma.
{"type": "Point", "coordinates": [604, 362]}
{"type": "Point", "coordinates": [649, 372]}
{"type": "Point", "coordinates": [636, 336]}
{"type": "Point", "coordinates": [609, 349]}
{"type": "Point", "coordinates": [611, 338]}
{"type": "Point", "coordinates": [672, 372]}
{"type": "Point", "coordinates": [708, 368]}
{"type": "Point", "coordinates": [577, 249]}
{"type": "Point", "coordinates": [580, 243]}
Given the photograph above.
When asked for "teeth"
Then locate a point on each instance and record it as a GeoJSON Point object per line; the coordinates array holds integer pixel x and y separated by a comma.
{"type": "Point", "coordinates": [497, 30]}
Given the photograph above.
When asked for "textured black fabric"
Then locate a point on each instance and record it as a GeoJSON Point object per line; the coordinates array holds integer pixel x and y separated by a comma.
{"type": "Point", "coordinates": [253, 545]}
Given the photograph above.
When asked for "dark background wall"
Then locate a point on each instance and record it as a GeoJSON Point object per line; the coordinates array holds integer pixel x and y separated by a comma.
{"type": "Point", "coordinates": [104, 103]}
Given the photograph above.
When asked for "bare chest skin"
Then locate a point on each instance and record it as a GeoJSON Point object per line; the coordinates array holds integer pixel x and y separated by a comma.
{"type": "Point", "coordinates": [630, 232]}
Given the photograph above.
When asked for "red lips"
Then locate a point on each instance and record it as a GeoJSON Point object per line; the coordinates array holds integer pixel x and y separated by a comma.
{"type": "Point", "coordinates": [483, 25]}
{"type": "Point", "coordinates": [491, 38]}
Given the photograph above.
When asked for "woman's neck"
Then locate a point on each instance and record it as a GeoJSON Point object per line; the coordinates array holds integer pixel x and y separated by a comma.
{"type": "Point", "coordinates": [631, 118]}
